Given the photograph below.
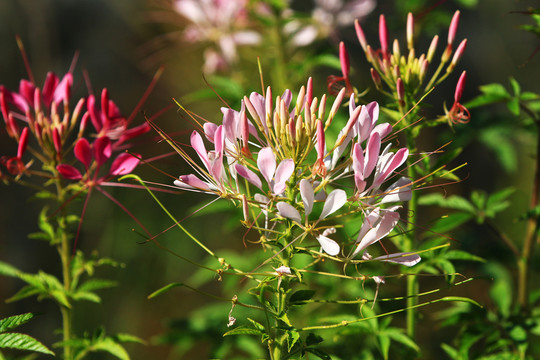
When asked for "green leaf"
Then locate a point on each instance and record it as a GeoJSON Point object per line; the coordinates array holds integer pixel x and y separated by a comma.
{"type": "Point", "coordinates": [301, 296]}
{"type": "Point", "coordinates": [86, 295]}
{"type": "Point", "coordinates": [452, 202]}
{"type": "Point", "coordinates": [110, 346]}
{"type": "Point", "coordinates": [26, 291]}
{"type": "Point", "coordinates": [497, 139]}
{"type": "Point", "coordinates": [257, 325]}
{"type": "Point", "coordinates": [462, 255]}
{"type": "Point", "coordinates": [450, 222]}
{"type": "Point", "coordinates": [461, 299]}
{"type": "Point", "coordinates": [22, 342]}
{"type": "Point", "coordinates": [450, 351]}
{"type": "Point", "coordinates": [96, 284]}
{"type": "Point", "coordinates": [14, 321]}
{"type": "Point", "coordinates": [313, 339]}
{"type": "Point", "coordinates": [292, 338]}
{"type": "Point", "coordinates": [8, 270]}
{"type": "Point", "coordinates": [384, 344]}
{"type": "Point", "coordinates": [398, 335]}
{"type": "Point", "coordinates": [164, 289]}
{"type": "Point", "coordinates": [491, 93]}
{"type": "Point", "coordinates": [243, 330]}
{"type": "Point", "coordinates": [123, 337]}
{"type": "Point", "coordinates": [501, 291]}
{"type": "Point", "coordinates": [318, 353]}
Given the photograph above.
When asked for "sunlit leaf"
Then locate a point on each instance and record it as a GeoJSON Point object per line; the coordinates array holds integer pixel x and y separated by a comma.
{"type": "Point", "coordinates": [22, 342]}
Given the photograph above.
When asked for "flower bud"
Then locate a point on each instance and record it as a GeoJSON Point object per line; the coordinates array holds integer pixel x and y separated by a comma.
{"type": "Point", "coordinates": [376, 78]}
{"type": "Point", "coordinates": [432, 48]}
{"type": "Point", "coordinates": [344, 60]}
{"type": "Point", "coordinates": [457, 55]}
{"type": "Point", "coordinates": [360, 35]}
{"type": "Point", "coordinates": [383, 36]}
{"type": "Point", "coordinates": [453, 28]}
{"type": "Point", "coordinates": [410, 31]}
{"type": "Point", "coordinates": [460, 86]}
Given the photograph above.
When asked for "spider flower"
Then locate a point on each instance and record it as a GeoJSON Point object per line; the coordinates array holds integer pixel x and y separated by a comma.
{"type": "Point", "coordinates": [275, 158]}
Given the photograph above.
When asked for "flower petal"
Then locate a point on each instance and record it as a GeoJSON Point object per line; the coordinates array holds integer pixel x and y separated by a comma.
{"type": "Point", "coordinates": [308, 197]}
{"type": "Point", "coordinates": [124, 164]}
{"type": "Point", "coordinates": [335, 200]}
{"type": "Point", "coordinates": [191, 181]}
{"type": "Point", "coordinates": [407, 259]}
{"type": "Point", "coordinates": [328, 245]}
{"type": "Point", "coordinates": [288, 211]}
{"type": "Point", "coordinates": [83, 152]}
{"type": "Point", "coordinates": [398, 192]}
{"type": "Point", "coordinates": [248, 175]}
{"type": "Point", "coordinates": [102, 149]}
{"type": "Point", "coordinates": [69, 172]}
{"type": "Point", "coordinates": [198, 145]}
{"type": "Point", "coordinates": [266, 162]}
{"type": "Point", "coordinates": [283, 173]}
{"type": "Point", "coordinates": [383, 228]}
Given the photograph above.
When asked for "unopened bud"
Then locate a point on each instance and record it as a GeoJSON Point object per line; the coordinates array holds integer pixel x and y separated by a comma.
{"type": "Point", "coordinates": [322, 107]}
{"type": "Point", "coordinates": [335, 107]}
{"type": "Point", "coordinates": [344, 60]}
{"type": "Point", "coordinates": [423, 70]}
{"type": "Point", "coordinates": [410, 31]}
{"type": "Point", "coordinates": [453, 28]}
{"type": "Point", "coordinates": [300, 100]}
{"type": "Point", "coordinates": [360, 35]}
{"type": "Point", "coordinates": [57, 141]}
{"type": "Point", "coordinates": [460, 86]}
{"type": "Point", "coordinates": [23, 142]}
{"type": "Point", "coordinates": [309, 92]}
{"type": "Point", "coordinates": [432, 48]}
{"type": "Point", "coordinates": [376, 78]}
{"type": "Point", "coordinates": [400, 91]}
{"type": "Point", "coordinates": [395, 50]}
{"type": "Point", "coordinates": [457, 55]}
{"type": "Point", "coordinates": [383, 35]}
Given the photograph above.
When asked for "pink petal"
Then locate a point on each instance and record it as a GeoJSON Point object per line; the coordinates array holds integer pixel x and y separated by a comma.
{"type": "Point", "coordinates": [385, 226]}
{"type": "Point", "coordinates": [266, 162]}
{"type": "Point", "coordinates": [328, 245]}
{"type": "Point", "coordinates": [283, 173]}
{"type": "Point", "coordinates": [191, 181]}
{"type": "Point", "coordinates": [358, 161]}
{"type": "Point", "coordinates": [209, 131]}
{"type": "Point", "coordinates": [23, 142]}
{"type": "Point", "coordinates": [124, 164]}
{"type": "Point", "coordinates": [372, 153]}
{"type": "Point", "coordinates": [198, 145]}
{"type": "Point", "coordinates": [308, 197]}
{"type": "Point", "coordinates": [230, 123]}
{"type": "Point", "coordinates": [399, 158]}
{"type": "Point", "coordinates": [63, 89]}
{"type": "Point", "coordinates": [335, 200]}
{"type": "Point", "coordinates": [288, 211]}
{"type": "Point", "coordinates": [83, 152]}
{"type": "Point", "coordinates": [69, 172]}
{"type": "Point", "coordinates": [383, 129]}
{"type": "Point", "coordinates": [102, 149]}
{"type": "Point", "coordinates": [51, 81]}
{"type": "Point", "coordinates": [248, 175]}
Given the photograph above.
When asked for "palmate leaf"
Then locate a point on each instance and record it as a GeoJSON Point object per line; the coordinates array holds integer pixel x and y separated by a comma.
{"type": "Point", "coordinates": [22, 342]}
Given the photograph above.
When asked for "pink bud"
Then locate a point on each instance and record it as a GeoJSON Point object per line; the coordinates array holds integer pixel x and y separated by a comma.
{"type": "Point", "coordinates": [453, 28]}
{"type": "Point", "coordinates": [320, 139]}
{"type": "Point", "coordinates": [309, 93]}
{"type": "Point", "coordinates": [360, 35]}
{"type": "Point", "coordinates": [383, 35]}
{"type": "Point", "coordinates": [48, 88]}
{"type": "Point", "coordinates": [400, 90]}
{"type": "Point", "coordinates": [376, 78]}
{"type": "Point", "coordinates": [459, 53]}
{"type": "Point", "coordinates": [344, 60]}
{"type": "Point", "coordinates": [23, 141]}
{"type": "Point", "coordinates": [105, 103]}
{"type": "Point", "coordinates": [410, 30]}
{"type": "Point", "coordinates": [83, 152]}
{"type": "Point", "coordinates": [57, 141]}
{"type": "Point", "coordinates": [432, 48]}
{"type": "Point", "coordinates": [460, 86]}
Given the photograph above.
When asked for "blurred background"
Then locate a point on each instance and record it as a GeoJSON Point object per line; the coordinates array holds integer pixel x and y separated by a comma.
{"type": "Point", "coordinates": [122, 43]}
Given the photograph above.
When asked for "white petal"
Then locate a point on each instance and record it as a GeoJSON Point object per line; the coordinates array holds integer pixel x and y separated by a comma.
{"type": "Point", "coordinates": [308, 197]}
{"type": "Point", "coordinates": [328, 245]}
{"type": "Point", "coordinates": [398, 191]}
{"type": "Point", "coordinates": [407, 259]}
{"type": "Point", "coordinates": [288, 211]}
{"type": "Point", "coordinates": [335, 200]}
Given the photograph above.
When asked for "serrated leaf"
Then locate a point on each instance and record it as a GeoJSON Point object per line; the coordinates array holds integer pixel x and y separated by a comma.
{"type": "Point", "coordinates": [164, 289]}
{"type": "Point", "coordinates": [22, 342]}
{"type": "Point", "coordinates": [243, 330]}
{"type": "Point", "coordinates": [300, 296]}
{"type": "Point", "coordinates": [86, 295]}
{"type": "Point", "coordinates": [292, 338]}
{"type": "Point", "coordinates": [24, 292]}
{"type": "Point", "coordinates": [462, 255]}
{"type": "Point", "coordinates": [14, 321]}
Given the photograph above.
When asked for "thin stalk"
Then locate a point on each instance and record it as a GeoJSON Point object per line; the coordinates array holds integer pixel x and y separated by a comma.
{"type": "Point", "coordinates": [64, 250]}
{"type": "Point", "coordinates": [530, 235]}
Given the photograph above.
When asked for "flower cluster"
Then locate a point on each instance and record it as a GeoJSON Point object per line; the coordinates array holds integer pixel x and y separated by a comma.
{"type": "Point", "coordinates": [46, 115]}
{"type": "Point", "coordinates": [407, 76]}
{"type": "Point", "coordinates": [274, 158]}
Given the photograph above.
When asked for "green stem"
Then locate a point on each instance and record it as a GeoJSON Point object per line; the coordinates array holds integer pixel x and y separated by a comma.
{"type": "Point", "coordinates": [64, 248]}
{"type": "Point", "coordinates": [530, 236]}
